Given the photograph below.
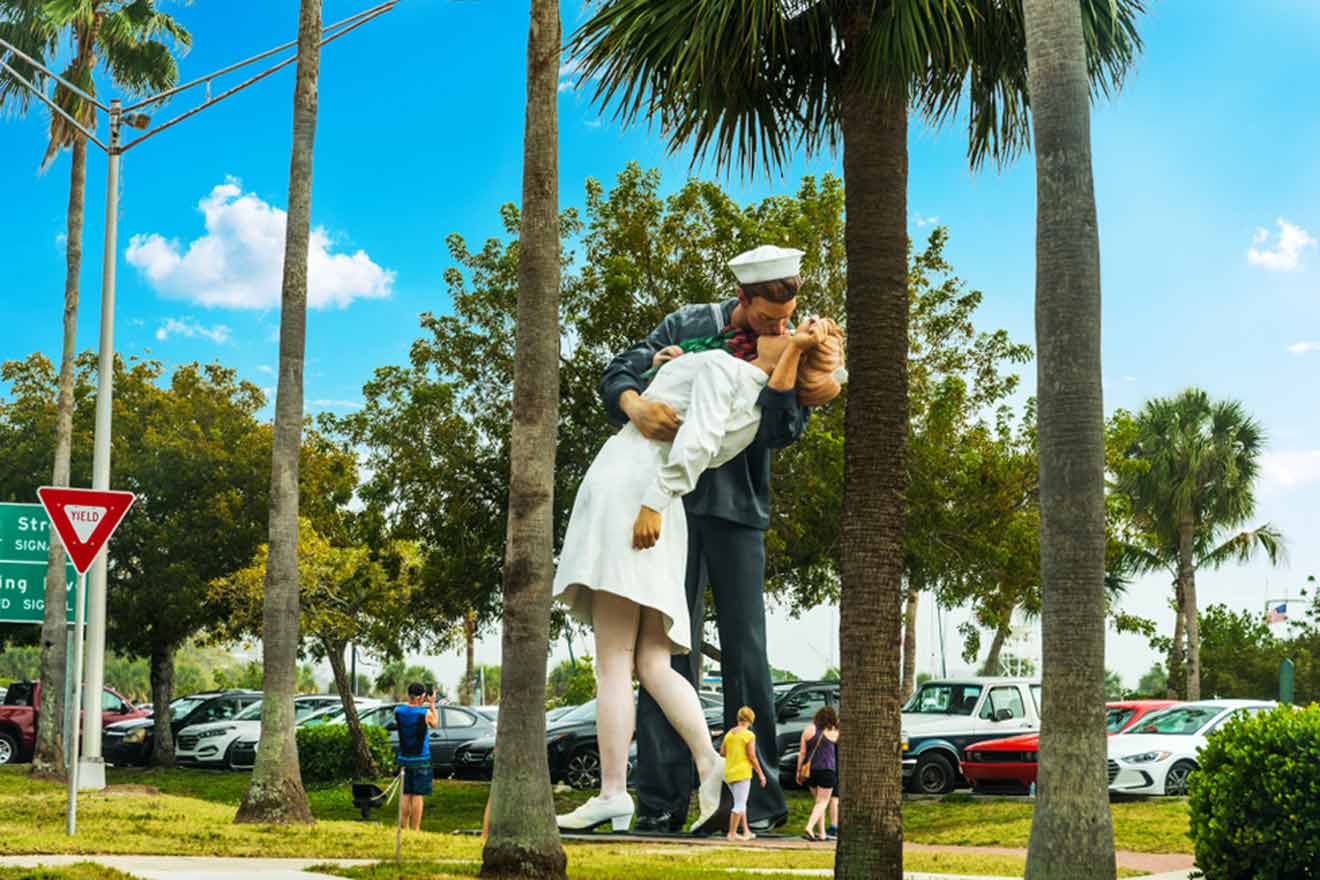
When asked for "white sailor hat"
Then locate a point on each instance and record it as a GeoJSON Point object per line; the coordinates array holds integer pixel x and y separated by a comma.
{"type": "Point", "coordinates": [766, 263]}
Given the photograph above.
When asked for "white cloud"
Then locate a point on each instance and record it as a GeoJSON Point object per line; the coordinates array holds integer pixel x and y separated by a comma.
{"type": "Point", "coordinates": [922, 222]}
{"type": "Point", "coordinates": [595, 123]}
{"type": "Point", "coordinates": [269, 371]}
{"type": "Point", "coordinates": [1287, 253]}
{"type": "Point", "coordinates": [1303, 347]}
{"type": "Point", "coordinates": [61, 240]}
{"type": "Point", "coordinates": [1291, 468]}
{"type": "Point", "coordinates": [568, 74]}
{"type": "Point", "coordinates": [190, 329]}
{"type": "Point", "coordinates": [1129, 378]}
{"type": "Point", "coordinates": [239, 262]}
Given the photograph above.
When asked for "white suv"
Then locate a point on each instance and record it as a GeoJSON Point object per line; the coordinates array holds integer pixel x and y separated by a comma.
{"type": "Point", "coordinates": [946, 716]}
{"type": "Point", "coordinates": [208, 745]}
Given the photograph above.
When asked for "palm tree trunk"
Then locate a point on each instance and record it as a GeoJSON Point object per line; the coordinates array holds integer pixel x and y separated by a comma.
{"type": "Point", "coordinates": [1187, 574]}
{"type": "Point", "coordinates": [48, 757]}
{"type": "Point", "coordinates": [364, 765]}
{"type": "Point", "coordinates": [524, 839]}
{"type": "Point", "coordinates": [276, 792]}
{"type": "Point", "coordinates": [910, 644]}
{"type": "Point", "coordinates": [1177, 673]}
{"type": "Point", "coordinates": [1071, 831]}
{"type": "Point", "coordinates": [991, 666]}
{"type": "Point", "coordinates": [162, 692]}
{"type": "Point", "coordinates": [470, 668]}
{"type": "Point", "coordinates": [875, 167]}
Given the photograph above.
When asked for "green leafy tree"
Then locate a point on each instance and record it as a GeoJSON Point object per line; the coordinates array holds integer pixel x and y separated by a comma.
{"type": "Point", "coordinates": [571, 683]}
{"type": "Point", "coordinates": [190, 446]}
{"type": "Point", "coordinates": [394, 677]}
{"type": "Point", "coordinates": [1154, 683]}
{"type": "Point", "coordinates": [347, 594]}
{"type": "Point", "coordinates": [830, 674]}
{"type": "Point", "coordinates": [782, 675]}
{"type": "Point", "coordinates": [1188, 474]}
{"type": "Point", "coordinates": [134, 43]}
{"type": "Point", "coordinates": [1114, 689]}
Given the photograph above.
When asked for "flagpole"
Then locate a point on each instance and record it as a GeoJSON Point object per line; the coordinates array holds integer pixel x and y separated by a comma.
{"type": "Point", "coordinates": [80, 623]}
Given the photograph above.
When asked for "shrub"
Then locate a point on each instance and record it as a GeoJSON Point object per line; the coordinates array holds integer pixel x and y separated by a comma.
{"type": "Point", "coordinates": [325, 752]}
{"type": "Point", "coordinates": [1255, 804]}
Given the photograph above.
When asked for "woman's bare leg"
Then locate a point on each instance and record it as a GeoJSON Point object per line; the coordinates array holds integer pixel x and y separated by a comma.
{"type": "Point", "coordinates": [615, 621]}
{"type": "Point", "coordinates": [674, 693]}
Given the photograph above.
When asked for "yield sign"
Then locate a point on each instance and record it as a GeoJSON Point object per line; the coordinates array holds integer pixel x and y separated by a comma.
{"type": "Point", "coordinates": [85, 519]}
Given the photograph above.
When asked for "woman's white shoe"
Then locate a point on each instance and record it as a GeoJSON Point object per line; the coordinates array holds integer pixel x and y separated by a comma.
{"type": "Point", "coordinates": [618, 811]}
{"type": "Point", "coordinates": [708, 795]}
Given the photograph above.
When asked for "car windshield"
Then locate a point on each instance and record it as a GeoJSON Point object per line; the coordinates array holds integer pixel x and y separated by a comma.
{"type": "Point", "coordinates": [1117, 718]}
{"type": "Point", "coordinates": [944, 699]}
{"type": "Point", "coordinates": [1178, 721]}
{"type": "Point", "coordinates": [181, 707]}
{"type": "Point", "coordinates": [251, 713]}
{"type": "Point", "coordinates": [585, 712]}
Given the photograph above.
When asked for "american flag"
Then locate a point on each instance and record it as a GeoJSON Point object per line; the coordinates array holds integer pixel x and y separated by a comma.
{"type": "Point", "coordinates": [1277, 613]}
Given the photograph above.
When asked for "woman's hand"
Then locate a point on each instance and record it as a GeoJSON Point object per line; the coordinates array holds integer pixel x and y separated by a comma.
{"type": "Point", "coordinates": [665, 355]}
{"type": "Point", "coordinates": [809, 334]}
{"type": "Point", "coordinates": [646, 529]}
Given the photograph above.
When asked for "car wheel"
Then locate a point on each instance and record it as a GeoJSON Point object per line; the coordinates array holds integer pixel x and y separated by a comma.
{"type": "Point", "coordinates": [934, 775]}
{"type": "Point", "coordinates": [8, 749]}
{"type": "Point", "coordinates": [1175, 783]}
{"type": "Point", "coordinates": [583, 770]}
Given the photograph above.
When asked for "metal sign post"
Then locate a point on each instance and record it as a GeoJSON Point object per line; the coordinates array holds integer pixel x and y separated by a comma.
{"type": "Point", "coordinates": [80, 622]}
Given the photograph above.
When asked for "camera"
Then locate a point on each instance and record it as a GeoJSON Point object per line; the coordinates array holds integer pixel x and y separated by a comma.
{"type": "Point", "coordinates": [430, 690]}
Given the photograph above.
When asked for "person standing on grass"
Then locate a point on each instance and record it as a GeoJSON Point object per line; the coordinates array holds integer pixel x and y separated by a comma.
{"type": "Point", "coordinates": [740, 761]}
{"type": "Point", "coordinates": [818, 767]}
{"type": "Point", "coordinates": [415, 721]}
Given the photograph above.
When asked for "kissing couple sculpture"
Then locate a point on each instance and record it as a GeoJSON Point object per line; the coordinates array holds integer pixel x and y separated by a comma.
{"type": "Point", "coordinates": [705, 398]}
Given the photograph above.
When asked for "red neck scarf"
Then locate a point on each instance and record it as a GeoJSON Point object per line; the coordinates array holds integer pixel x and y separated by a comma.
{"type": "Point", "coordinates": [742, 344]}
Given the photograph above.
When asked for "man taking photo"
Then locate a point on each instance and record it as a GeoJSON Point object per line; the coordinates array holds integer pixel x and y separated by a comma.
{"type": "Point", "coordinates": [414, 720]}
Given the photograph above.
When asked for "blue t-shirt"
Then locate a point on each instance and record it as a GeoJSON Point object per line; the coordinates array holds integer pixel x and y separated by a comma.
{"type": "Point", "coordinates": [414, 735]}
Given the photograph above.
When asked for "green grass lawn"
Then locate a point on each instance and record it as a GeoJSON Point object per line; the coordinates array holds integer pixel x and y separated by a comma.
{"type": "Point", "coordinates": [190, 812]}
{"type": "Point", "coordinates": [80, 871]}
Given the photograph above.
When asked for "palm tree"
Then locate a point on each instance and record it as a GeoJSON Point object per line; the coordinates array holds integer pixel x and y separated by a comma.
{"type": "Point", "coordinates": [1072, 831]}
{"type": "Point", "coordinates": [755, 81]}
{"type": "Point", "coordinates": [524, 838]}
{"type": "Point", "coordinates": [276, 792]}
{"type": "Point", "coordinates": [1193, 466]}
{"type": "Point", "coordinates": [124, 39]}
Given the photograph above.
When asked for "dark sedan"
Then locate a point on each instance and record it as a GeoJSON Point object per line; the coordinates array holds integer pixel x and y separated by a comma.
{"type": "Point", "coordinates": [571, 747]}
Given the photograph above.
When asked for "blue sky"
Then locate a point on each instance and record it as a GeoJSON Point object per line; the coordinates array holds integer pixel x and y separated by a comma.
{"type": "Point", "coordinates": [1207, 182]}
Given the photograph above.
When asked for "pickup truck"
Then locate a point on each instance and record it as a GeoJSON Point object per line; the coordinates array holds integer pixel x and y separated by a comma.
{"type": "Point", "coordinates": [18, 718]}
{"type": "Point", "coordinates": [946, 716]}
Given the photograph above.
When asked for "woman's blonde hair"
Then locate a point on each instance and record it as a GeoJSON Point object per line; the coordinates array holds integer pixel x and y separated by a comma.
{"type": "Point", "coordinates": [746, 715]}
{"type": "Point", "coordinates": [817, 382]}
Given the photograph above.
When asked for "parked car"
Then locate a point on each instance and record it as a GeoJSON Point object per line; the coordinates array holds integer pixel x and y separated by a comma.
{"type": "Point", "coordinates": [1010, 764]}
{"type": "Point", "coordinates": [130, 743]}
{"type": "Point", "coordinates": [211, 743]}
{"type": "Point", "coordinates": [490, 713]}
{"type": "Point", "coordinates": [946, 716]}
{"type": "Point", "coordinates": [796, 703]}
{"type": "Point", "coordinates": [243, 753]}
{"type": "Point", "coordinates": [571, 746]}
{"type": "Point", "coordinates": [18, 718]}
{"type": "Point", "coordinates": [458, 725]}
{"type": "Point", "coordinates": [1159, 754]}
{"type": "Point", "coordinates": [553, 715]}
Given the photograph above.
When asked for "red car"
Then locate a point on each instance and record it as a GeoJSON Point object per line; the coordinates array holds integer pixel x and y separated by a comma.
{"type": "Point", "coordinates": [1010, 764]}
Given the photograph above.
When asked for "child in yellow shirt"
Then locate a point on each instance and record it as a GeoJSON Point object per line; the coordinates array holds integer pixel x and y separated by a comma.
{"type": "Point", "coordinates": [740, 761]}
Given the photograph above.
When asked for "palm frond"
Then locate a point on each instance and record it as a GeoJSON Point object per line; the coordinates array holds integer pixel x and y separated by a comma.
{"type": "Point", "coordinates": [1243, 546]}
{"type": "Point", "coordinates": [23, 27]}
{"type": "Point", "coordinates": [140, 68]}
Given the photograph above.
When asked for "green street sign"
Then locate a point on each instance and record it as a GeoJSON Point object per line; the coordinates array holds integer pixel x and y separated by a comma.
{"type": "Point", "coordinates": [24, 544]}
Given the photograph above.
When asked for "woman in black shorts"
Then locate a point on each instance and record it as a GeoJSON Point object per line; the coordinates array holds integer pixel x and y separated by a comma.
{"type": "Point", "coordinates": [818, 766]}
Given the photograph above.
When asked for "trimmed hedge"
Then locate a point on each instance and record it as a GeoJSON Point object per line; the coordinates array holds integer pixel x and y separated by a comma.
{"type": "Point", "coordinates": [1255, 804]}
{"type": "Point", "coordinates": [325, 752]}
